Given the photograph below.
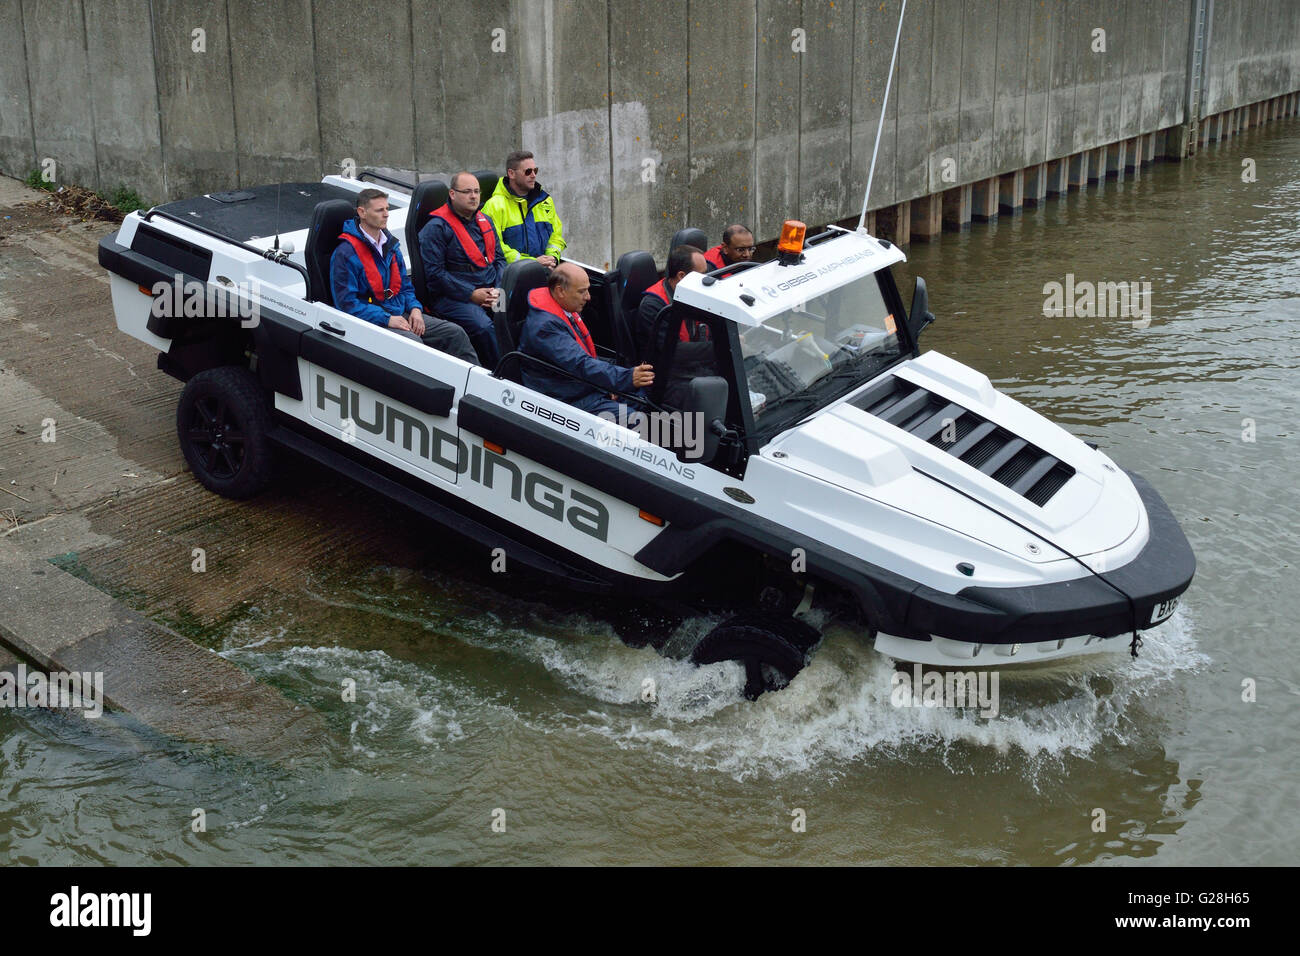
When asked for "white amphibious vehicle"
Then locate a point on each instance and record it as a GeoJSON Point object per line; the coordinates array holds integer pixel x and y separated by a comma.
{"type": "Point", "coordinates": [838, 463]}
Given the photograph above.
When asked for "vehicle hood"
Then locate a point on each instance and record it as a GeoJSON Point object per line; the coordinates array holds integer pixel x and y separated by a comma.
{"type": "Point", "coordinates": [1093, 506]}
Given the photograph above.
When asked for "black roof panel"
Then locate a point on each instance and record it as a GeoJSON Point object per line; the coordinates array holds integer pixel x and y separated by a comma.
{"type": "Point", "coordinates": [243, 214]}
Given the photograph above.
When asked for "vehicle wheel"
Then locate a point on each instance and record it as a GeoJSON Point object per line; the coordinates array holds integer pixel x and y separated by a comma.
{"type": "Point", "coordinates": [802, 636]}
{"type": "Point", "coordinates": [771, 659]}
{"type": "Point", "coordinates": [222, 423]}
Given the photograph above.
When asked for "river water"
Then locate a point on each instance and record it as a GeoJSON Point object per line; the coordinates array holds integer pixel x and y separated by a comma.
{"type": "Point", "coordinates": [474, 706]}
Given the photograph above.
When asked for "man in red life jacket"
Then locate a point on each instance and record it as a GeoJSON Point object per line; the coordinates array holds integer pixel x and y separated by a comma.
{"type": "Point", "coordinates": [463, 264]}
{"type": "Point", "coordinates": [368, 279]}
{"type": "Point", "coordinates": [737, 246]}
{"type": "Point", "coordinates": [554, 331]}
{"type": "Point", "coordinates": [693, 355]}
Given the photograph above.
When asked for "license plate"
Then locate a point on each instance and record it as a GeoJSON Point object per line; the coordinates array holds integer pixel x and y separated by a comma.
{"type": "Point", "coordinates": [1163, 610]}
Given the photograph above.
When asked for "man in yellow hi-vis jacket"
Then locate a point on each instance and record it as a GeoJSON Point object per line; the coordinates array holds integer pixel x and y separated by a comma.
{"type": "Point", "coordinates": [524, 213]}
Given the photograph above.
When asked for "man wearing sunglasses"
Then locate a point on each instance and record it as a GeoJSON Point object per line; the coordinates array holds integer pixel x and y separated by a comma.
{"type": "Point", "coordinates": [463, 263]}
{"type": "Point", "coordinates": [737, 246]}
{"type": "Point", "coordinates": [525, 213]}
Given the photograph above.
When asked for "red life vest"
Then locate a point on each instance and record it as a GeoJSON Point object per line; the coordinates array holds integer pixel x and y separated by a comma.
{"type": "Point", "coordinates": [660, 291]}
{"type": "Point", "coordinates": [444, 212]}
{"type": "Point", "coordinates": [377, 291]}
{"type": "Point", "coordinates": [714, 257]}
{"type": "Point", "coordinates": [541, 299]}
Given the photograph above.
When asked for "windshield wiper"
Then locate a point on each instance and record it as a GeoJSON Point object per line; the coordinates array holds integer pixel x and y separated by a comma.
{"type": "Point", "coordinates": [796, 400]}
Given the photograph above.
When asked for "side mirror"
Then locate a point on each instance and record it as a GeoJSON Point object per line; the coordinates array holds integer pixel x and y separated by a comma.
{"type": "Point", "coordinates": [920, 315]}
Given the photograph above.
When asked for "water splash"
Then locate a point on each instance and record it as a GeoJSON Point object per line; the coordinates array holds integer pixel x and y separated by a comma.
{"type": "Point", "coordinates": [837, 713]}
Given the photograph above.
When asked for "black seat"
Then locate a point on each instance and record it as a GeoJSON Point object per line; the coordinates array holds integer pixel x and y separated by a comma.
{"type": "Point", "coordinates": [707, 397]}
{"type": "Point", "coordinates": [690, 237]}
{"type": "Point", "coordinates": [487, 184]}
{"type": "Point", "coordinates": [425, 198]}
{"type": "Point", "coordinates": [322, 237]}
{"type": "Point", "coordinates": [638, 273]}
{"type": "Point", "coordinates": [521, 277]}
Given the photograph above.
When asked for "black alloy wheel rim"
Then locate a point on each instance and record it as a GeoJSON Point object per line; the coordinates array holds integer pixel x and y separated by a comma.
{"type": "Point", "coordinates": [217, 437]}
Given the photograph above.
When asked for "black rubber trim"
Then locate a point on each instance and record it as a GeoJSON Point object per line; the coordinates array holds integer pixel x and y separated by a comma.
{"type": "Point", "coordinates": [281, 331]}
{"type": "Point", "coordinates": [276, 336]}
{"type": "Point", "coordinates": [180, 255]}
{"type": "Point", "coordinates": [697, 521]}
{"type": "Point", "coordinates": [278, 341]}
{"type": "Point", "coordinates": [376, 372]}
{"type": "Point", "coordinates": [1162, 570]}
{"type": "Point", "coordinates": [144, 271]}
{"type": "Point", "coordinates": [456, 515]}
{"type": "Point", "coordinates": [893, 603]}
{"type": "Point", "coordinates": [883, 595]}
{"type": "Point", "coordinates": [897, 605]}
{"type": "Point", "coordinates": [599, 468]}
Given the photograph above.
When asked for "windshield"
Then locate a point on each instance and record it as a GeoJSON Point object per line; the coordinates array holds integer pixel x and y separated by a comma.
{"type": "Point", "coordinates": [805, 358]}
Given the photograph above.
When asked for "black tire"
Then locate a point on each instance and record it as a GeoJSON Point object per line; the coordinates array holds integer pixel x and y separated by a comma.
{"type": "Point", "coordinates": [770, 660]}
{"type": "Point", "coordinates": [797, 633]}
{"type": "Point", "coordinates": [222, 422]}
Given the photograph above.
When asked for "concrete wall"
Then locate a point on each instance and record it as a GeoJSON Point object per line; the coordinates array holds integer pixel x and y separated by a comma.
{"type": "Point", "coordinates": [646, 115]}
{"type": "Point", "coordinates": [1254, 54]}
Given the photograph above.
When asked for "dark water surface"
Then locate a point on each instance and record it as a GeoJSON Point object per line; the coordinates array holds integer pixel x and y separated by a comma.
{"type": "Point", "coordinates": [467, 703]}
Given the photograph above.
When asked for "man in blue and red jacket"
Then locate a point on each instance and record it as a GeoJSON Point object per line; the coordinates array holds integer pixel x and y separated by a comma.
{"type": "Point", "coordinates": [463, 264]}
{"type": "Point", "coordinates": [368, 279]}
{"type": "Point", "coordinates": [554, 331]}
{"type": "Point", "coordinates": [693, 355]}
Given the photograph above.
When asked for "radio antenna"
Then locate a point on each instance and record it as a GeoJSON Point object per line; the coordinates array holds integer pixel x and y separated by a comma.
{"type": "Point", "coordinates": [277, 217]}
{"type": "Point", "coordinates": [862, 221]}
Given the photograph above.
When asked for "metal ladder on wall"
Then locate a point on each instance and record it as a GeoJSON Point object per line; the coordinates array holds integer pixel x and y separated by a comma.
{"type": "Point", "coordinates": [1199, 43]}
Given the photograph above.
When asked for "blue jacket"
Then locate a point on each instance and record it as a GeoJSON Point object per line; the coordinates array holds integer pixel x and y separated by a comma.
{"type": "Point", "coordinates": [348, 279]}
{"type": "Point", "coordinates": [549, 337]}
{"type": "Point", "coordinates": [448, 270]}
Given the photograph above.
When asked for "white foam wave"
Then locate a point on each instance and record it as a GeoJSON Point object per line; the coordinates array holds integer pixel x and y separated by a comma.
{"type": "Point", "coordinates": [396, 698]}
{"type": "Point", "coordinates": [837, 712]}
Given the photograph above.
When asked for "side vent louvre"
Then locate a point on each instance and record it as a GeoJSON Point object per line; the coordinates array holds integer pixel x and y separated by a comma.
{"type": "Point", "coordinates": [1022, 467]}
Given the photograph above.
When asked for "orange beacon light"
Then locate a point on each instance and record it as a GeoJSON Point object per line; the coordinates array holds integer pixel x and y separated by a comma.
{"type": "Point", "coordinates": [790, 245]}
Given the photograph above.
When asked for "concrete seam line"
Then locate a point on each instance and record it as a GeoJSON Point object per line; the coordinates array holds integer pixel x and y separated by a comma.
{"type": "Point", "coordinates": [609, 123]}
{"type": "Point", "coordinates": [415, 123]}
{"type": "Point", "coordinates": [315, 71]}
{"type": "Point", "coordinates": [157, 100]}
{"type": "Point", "coordinates": [94, 133]}
{"type": "Point", "coordinates": [754, 166]}
{"type": "Point", "coordinates": [27, 70]}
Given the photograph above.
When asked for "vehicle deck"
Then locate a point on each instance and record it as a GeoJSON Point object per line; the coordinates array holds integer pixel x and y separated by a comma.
{"type": "Point", "coordinates": [243, 214]}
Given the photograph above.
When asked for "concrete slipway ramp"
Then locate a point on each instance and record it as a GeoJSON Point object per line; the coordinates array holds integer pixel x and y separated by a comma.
{"type": "Point", "coordinates": [108, 499]}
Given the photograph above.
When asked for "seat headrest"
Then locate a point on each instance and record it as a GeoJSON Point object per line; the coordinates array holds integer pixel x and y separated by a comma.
{"type": "Point", "coordinates": [638, 273]}
{"type": "Point", "coordinates": [322, 236]}
{"type": "Point", "coordinates": [487, 184]}
{"type": "Point", "coordinates": [425, 198]}
{"type": "Point", "coordinates": [521, 277]}
{"type": "Point", "coordinates": [690, 237]}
